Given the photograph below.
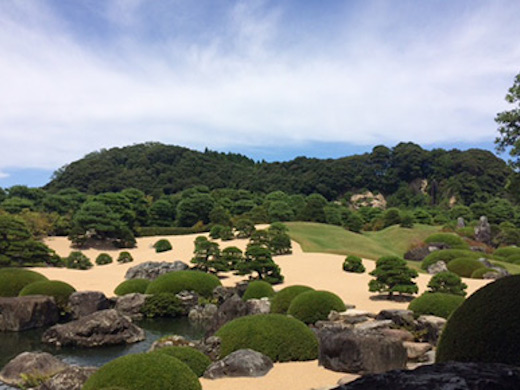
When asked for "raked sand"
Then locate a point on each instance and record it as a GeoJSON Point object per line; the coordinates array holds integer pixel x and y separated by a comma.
{"type": "Point", "coordinates": [318, 270]}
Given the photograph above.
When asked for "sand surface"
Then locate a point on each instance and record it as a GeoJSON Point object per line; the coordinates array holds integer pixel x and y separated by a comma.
{"type": "Point", "coordinates": [318, 270]}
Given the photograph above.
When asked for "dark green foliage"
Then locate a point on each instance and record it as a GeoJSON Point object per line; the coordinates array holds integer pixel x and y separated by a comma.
{"type": "Point", "coordinates": [194, 359]}
{"type": "Point", "coordinates": [258, 289]}
{"type": "Point", "coordinates": [393, 275]}
{"type": "Point", "coordinates": [13, 280]}
{"type": "Point", "coordinates": [215, 231]}
{"type": "Point", "coordinates": [464, 266]}
{"type": "Point", "coordinates": [283, 298]}
{"type": "Point", "coordinates": [313, 306]}
{"type": "Point", "coordinates": [194, 208]}
{"type": "Point", "coordinates": [354, 222]}
{"type": "Point", "coordinates": [407, 220]}
{"type": "Point", "coordinates": [162, 305]}
{"type": "Point", "coordinates": [480, 272]}
{"type": "Point", "coordinates": [280, 211]}
{"type": "Point", "coordinates": [507, 252]}
{"type": "Point", "coordinates": [53, 288]}
{"type": "Point", "coordinates": [391, 217]}
{"type": "Point", "coordinates": [280, 337]}
{"type": "Point", "coordinates": [448, 255]}
{"type": "Point", "coordinates": [103, 258]}
{"type": "Point", "coordinates": [151, 371]}
{"type": "Point", "coordinates": [124, 257]}
{"type": "Point", "coordinates": [220, 216]}
{"type": "Point", "coordinates": [162, 246]}
{"type": "Point", "coordinates": [226, 234]}
{"type": "Point", "coordinates": [436, 304]}
{"type": "Point", "coordinates": [485, 328]}
{"type": "Point", "coordinates": [77, 260]}
{"type": "Point", "coordinates": [244, 227]}
{"type": "Point", "coordinates": [313, 209]}
{"type": "Point", "coordinates": [231, 256]}
{"type": "Point", "coordinates": [509, 122]}
{"type": "Point", "coordinates": [447, 283]}
{"type": "Point", "coordinates": [175, 282]}
{"type": "Point", "coordinates": [207, 256]}
{"type": "Point", "coordinates": [353, 264]}
{"type": "Point", "coordinates": [132, 286]}
{"type": "Point", "coordinates": [258, 260]}
{"type": "Point", "coordinates": [422, 216]}
{"type": "Point", "coordinates": [452, 240]}
{"type": "Point", "coordinates": [169, 231]}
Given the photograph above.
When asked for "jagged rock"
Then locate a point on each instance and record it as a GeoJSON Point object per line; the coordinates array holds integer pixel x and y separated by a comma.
{"type": "Point", "coordinates": [460, 223]}
{"type": "Point", "coordinates": [203, 314]}
{"type": "Point", "coordinates": [151, 270]}
{"type": "Point", "coordinates": [500, 272]}
{"type": "Point", "coordinates": [83, 303]}
{"type": "Point", "coordinates": [483, 231]}
{"type": "Point", "coordinates": [416, 351]}
{"type": "Point", "coordinates": [130, 305]}
{"type": "Point", "coordinates": [240, 288]}
{"type": "Point", "coordinates": [432, 325]}
{"type": "Point", "coordinates": [232, 308]}
{"type": "Point", "coordinates": [417, 254]}
{"type": "Point", "coordinates": [188, 299]}
{"type": "Point", "coordinates": [399, 334]}
{"type": "Point", "coordinates": [443, 376]}
{"type": "Point", "coordinates": [22, 313]}
{"type": "Point", "coordinates": [172, 341]}
{"type": "Point", "coordinates": [439, 266]}
{"type": "Point", "coordinates": [41, 364]}
{"type": "Point", "coordinates": [258, 306]}
{"type": "Point", "coordinates": [368, 199]}
{"type": "Point", "coordinates": [221, 293]}
{"type": "Point", "coordinates": [359, 352]}
{"type": "Point", "coordinates": [71, 378]}
{"type": "Point", "coordinates": [398, 317]}
{"type": "Point", "coordinates": [210, 347]}
{"type": "Point", "coordinates": [244, 362]}
{"type": "Point", "coordinates": [373, 325]}
{"type": "Point", "coordinates": [105, 327]}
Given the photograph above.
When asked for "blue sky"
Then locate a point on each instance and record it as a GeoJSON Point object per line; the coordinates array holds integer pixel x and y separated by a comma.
{"type": "Point", "coordinates": [269, 79]}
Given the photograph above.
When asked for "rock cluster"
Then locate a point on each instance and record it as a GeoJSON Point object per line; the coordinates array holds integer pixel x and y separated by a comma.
{"type": "Point", "coordinates": [151, 270]}
{"type": "Point", "coordinates": [244, 362]}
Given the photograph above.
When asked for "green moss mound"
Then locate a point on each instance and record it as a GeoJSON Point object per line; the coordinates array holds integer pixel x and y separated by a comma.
{"type": "Point", "coordinates": [258, 289]}
{"type": "Point", "coordinates": [13, 280]}
{"type": "Point", "coordinates": [452, 240]}
{"type": "Point", "coordinates": [479, 273]}
{"type": "Point", "coordinates": [280, 337]}
{"type": "Point", "coordinates": [53, 288]}
{"type": "Point", "coordinates": [124, 257]}
{"type": "Point", "coordinates": [486, 327]}
{"type": "Point", "coordinates": [162, 305]}
{"type": "Point", "coordinates": [465, 266]}
{"type": "Point", "coordinates": [283, 298]}
{"type": "Point", "coordinates": [104, 258]}
{"type": "Point", "coordinates": [436, 304]}
{"type": "Point", "coordinates": [132, 286]}
{"type": "Point", "coordinates": [162, 246]}
{"type": "Point", "coordinates": [313, 306]}
{"type": "Point", "coordinates": [353, 264]}
{"type": "Point", "coordinates": [508, 253]}
{"type": "Point", "coordinates": [448, 255]}
{"type": "Point", "coordinates": [152, 371]}
{"type": "Point", "coordinates": [175, 282]}
{"type": "Point", "coordinates": [194, 359]}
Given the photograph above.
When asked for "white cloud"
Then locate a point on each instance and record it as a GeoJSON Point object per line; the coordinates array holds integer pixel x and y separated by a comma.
{"type": "Point", "coordinates": [3, 175]}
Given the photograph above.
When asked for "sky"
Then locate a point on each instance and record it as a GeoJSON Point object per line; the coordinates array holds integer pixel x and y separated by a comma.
{"type": "Point", "coordinates": [269, 79]}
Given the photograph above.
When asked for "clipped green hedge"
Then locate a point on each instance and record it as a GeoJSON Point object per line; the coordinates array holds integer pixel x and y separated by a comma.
{"type": "Point", "coordinates": [162, 305]}
{"type": "Point", "coordinates": [353, 264]}
{"type": "Point", "coordinates": [150, 371]}
{"type": "Point", "coordinates": [280, 337]}
{"type": "Point", "coordinates": [104, 258]}
{"type": "Point", "coordinates": [283, 298]}
{"type": "Point", "coordinates": [258, 289]}
{"type": "Point", "coordinates": [313, 306]}
{"type": "Point", "coordinates": [436, 304]}
{"type": "Point", "coordinates": [13, 280]}
{"type": "Point", "coordinates": [464, 266]}
{"type": "Point", "coordinates": [452, 240]}
{"type": "Point", "coordinates": [53, 288]}
{"type": "Point", "coordinates": [508, 253]}
{"type": "Point", "coordinates": [169, 231]}
{"type": "Point", "coordinates": [175, 282]}
{"type": "Point", "coordinates": [132, 286]}
{"type": "Point", "coordinates": [194, 359]}
{"type": "Point", "coordinates": [124, 257]}
{"type": "Point", "coordinates": [78, 260]}
{"type": "Point", "coordinates": [479, 273]}
{"type": "Point", "coordinates": [162, 246]}
{"type": "Point", "coordinates": [486, 327]}
{"type": "Point", "coordinates": [448, 255]}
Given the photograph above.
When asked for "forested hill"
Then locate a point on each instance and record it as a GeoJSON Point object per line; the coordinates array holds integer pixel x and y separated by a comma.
{"type": "Point", "coordinates": [158, 169]}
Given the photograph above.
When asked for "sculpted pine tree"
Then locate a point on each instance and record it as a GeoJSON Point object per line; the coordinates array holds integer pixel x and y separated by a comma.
{"type": "Point", "coordinates": [207, 256]}
{"type": "Point", "coordinates": [509, 123]}
{"type": "Point", "coordinates": [393, 275]}
{"type": "Point", "coordinates": [258, 260]}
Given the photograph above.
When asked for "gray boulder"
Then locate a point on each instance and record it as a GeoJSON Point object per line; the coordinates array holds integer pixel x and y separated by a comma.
{"type": "Point", "coordinates": [83, 303]}
{"type": "Point", "coordinates": [258, 306]}
{"type": "Point", "coordinates": [188, 300]}
{"type": "Point", "coordinates": [244, 362]}
{"type": "Point", "coordinates": [416, 351]}
{"type": "Point", "coordinates": [151, 270]}
{"type": "Point", "coordinates": [71, 378]}
{"type": "Point", "coordinates": [460, 223]}
{"type": "Point", "coordinates": [439, 266]}
{"type": "Point", "coordinates": [398, 317]}
{"type": "Point", "coordinates": [417, 254]}
{"type": "Point", "coordinates": [222, 294]}
{"type": "Point", "coordinates": [203, 314]}
{"type": "Point", "coordinates": [432, 325]}
{"type": "Point", "coordinates": [22, 313]}
{"type": "Point", "coordinates": [130, 305]}
{"type": "Point", "coordinates": [171, 341]}
{"type": "Point", "coordinates": [210, 347]}
{"type": "Point", "coordinates": [483, 231]}
{"type": "Point", "coordinates": [40, 364]}
{"type": "Point", "coordinates": [105, 327]}
{"type": "Point", "coordinates": [232, 308]}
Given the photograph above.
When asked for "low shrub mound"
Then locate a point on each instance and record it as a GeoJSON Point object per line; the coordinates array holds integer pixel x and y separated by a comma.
{"type": "Point", "coordinates": [162, 305]}
{"type": "Point", "coordinates": [479, 273]}
{"type": "Point", "coordinates": [162, 246]}
{"type": "Point", "coordinates": [194, 359]}
{"type": "Point", "coordinates": [486, 327]}
{"type": "Point", "coordinates": [353, 264]}
{"type": "Point", "coordinates": [448, 255]}
{"type": "Point", "coordinates": [175, 282]}
{"type": "Point", "coordinates": [447, 282]}
{"type": "Point", "coordinates": [313, 306]}
{"type": "Point", "coordinates": [132, 286]}
{"type": "Point", "coordinates": [150, 371]}
{"type": "Point", "coordinates": [283, 298]}
{"type": "Point", "coordinates": [436, 304]}
{"type": "Point", "coordinates": [103, 259]}
{"type": "Point", "coordinates": [13, 280]}
{"type": "Point", "coordinates": [454, 241]}
{"type": "Point", "coordinates": [508, 253]}
{"type": "Point", "coordinates": [258, 289]}
{"type": "Point", "coordinates": [77, 260]}
{"type": "Point", "coordinates": [280, 337]}
{"type": "Point", "coordinates": [53, 288]}
{"type": "Point", "coordinates": [464, 266]}
{"type": "Point", "coordinates": [125, 257]}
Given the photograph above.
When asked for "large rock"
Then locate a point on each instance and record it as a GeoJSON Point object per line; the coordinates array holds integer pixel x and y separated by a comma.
{"type": "Point", "coordinates": [130, 305]}
{"type": "Point", "coordinates": [210, 347]}
{"type": "Point", "coordinates": [106, 327]}
{"type": "Point", "coordinates": [83, 303]}
{"type": "Point", "coordinates": [22, 313]}
{"type": "Point", "coordinates": [232, 308]}
{"type": "Point", "coordinates": [359, 352]}
{"type": "Point", "coordinates": [483, 231]}
{"type": "Point", "coordinates": [203, 314]}
{"type": "Point", "coordinates": [438, 267]}
{"type": "Point", "coordinates": [222, 294]}
{"type": "Point", "coordinates": [244, 362]}
{"type": "Point", "coordinates": [71, 378]}
{"type": "Point", "coordinates": [401, 318]}
{"type": "Point", "coordinates": [416, 351]}
{"type": "Point", "coordinates": [445, 376]}
{"type": "Point", "coordinates": [417, 254]}
{"type": "Point", "coordinates": [151, 270]}
{"type": "Point", "coordinates": [188, 300]}
{"type": "Point", "coordinates": [432, 325]}
{"type": "Point", "coordinates": [39, 364]}
{"type": "Point", "coordinates": [172, 341]}
{"type": "Point", "coordinates": [258, 306]}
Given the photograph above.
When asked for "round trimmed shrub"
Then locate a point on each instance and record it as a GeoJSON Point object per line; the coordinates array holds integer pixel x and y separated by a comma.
{"type": "Point", "coordinates": [280, 337]}
{"type": "Point", "coordinates": [353, 264]}
{"type": "Point", "coordinates": [436, 304]}
{"type": "Point", "coordinates": [175, 282]}
{"type": "Point", "coordinates": [454, 241]}
{"type": "Point", "coordinates": [103, 258]}
{"type": "Point", "coordinates": [77, 260]}
{"type": "Point", "coordinates": [313, 306]}
{"type": "Point", "coordinates": [13, 280]}
{"type": "Point", "coordinates": [52, 288]}
{"type": "Point", "coordinates": [448, 255]}
{"type": "Point", "coordinates": [479, 273]}
{"type": "Point", "coordinates": [194, 359]}
{"type": "Point", "coordinates": [162, 305]}
{"type": "Point", "coordinates": [125, 257]}
{"type": "Point", "coordinates": [447, 282]}
{"type": "Point", "coordinates": [258, 289]}
{"type": "Point", "coordinates": [486, 327]}
{"type": "Point", "coordinates": [162, 246]}
{"type": "Point", "coordinates": [507, 252]}
{"type": "Point", "coordinates": [283, 298]}
{"type": "Point", "coordinates": [132, 286]}
{"type": "Point", "coordinates": [151, 371]}
{"type": "Point", "coordinates": [464, 266]}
